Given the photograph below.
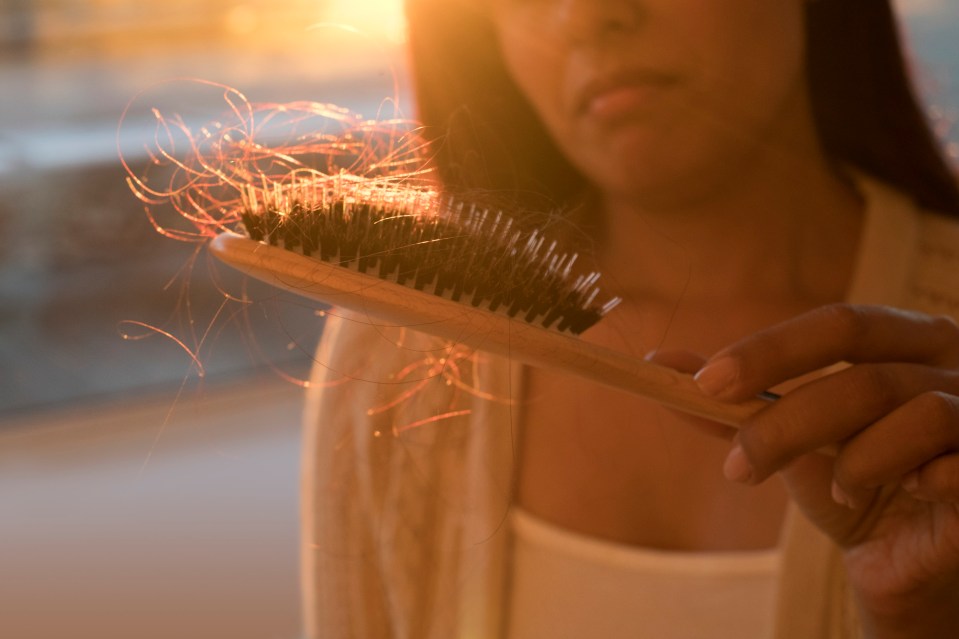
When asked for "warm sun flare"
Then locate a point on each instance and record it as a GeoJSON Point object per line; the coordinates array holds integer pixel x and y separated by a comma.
{"type": "Point", "coordinates": [377, 18]}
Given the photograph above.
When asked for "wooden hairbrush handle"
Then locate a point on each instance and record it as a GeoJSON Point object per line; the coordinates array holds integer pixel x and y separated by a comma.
{"type": "Point", "coordinates": [475, 327]}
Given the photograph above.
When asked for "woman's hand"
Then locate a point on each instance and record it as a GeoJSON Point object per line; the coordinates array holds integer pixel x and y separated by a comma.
{"type": "Point", "coordinates": [890, 496]}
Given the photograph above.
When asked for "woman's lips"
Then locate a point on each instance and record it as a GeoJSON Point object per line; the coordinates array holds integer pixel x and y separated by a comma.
{"type": "Point", "coordinates": [615, 97]}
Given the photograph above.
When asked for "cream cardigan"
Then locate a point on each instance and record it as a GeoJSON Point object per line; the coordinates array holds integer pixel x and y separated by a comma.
{"type": "Point", "coordinates": [404, 523]}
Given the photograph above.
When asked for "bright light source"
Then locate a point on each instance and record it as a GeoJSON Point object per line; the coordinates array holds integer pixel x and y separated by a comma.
{"type": "Point", "coordinates": [375, 18]}
{"type": "Point", "coordinates": [241, 20]}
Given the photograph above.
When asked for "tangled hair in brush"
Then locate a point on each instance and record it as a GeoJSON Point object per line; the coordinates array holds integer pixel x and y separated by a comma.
{"type": "Point", "coordinates": [487, 137]}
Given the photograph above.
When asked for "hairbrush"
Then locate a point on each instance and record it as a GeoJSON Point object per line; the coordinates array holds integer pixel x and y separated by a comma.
{"type": "Point", "coordinates": [314, 199]}
{"type": "Point", "coordinates": [411, 257]}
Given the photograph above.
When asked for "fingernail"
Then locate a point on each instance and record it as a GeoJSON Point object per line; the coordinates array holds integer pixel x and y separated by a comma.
{"type": "Point", "coordinates": [840, 497]}
{"type": "Point", "coordinates": [737, 467]}
{"type": "Point", "coordinates": [716, 376]}
{"type": "Point", "coordinates": [910, 482]}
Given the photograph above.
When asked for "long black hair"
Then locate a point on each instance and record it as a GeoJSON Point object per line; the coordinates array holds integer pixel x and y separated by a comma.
{"type": "Point", "coordinates": [486, 136]}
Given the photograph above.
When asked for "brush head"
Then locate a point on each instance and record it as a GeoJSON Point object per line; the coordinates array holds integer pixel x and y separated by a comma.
{"type": "Point", "coordinates": [440, 245]}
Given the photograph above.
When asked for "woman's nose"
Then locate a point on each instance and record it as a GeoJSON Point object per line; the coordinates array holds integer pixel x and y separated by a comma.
{"type": "Point", "coordinates": [589, 21]}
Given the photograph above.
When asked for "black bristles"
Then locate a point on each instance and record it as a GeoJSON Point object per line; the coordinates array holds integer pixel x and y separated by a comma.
{"type": "Point", "coordinates": [461, 253]}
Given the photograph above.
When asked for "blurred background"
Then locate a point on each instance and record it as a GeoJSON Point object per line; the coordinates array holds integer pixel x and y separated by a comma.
{"type": "Point", "coordinates": [137, 497]}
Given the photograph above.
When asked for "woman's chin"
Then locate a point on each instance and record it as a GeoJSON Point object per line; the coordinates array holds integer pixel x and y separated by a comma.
{"type": "Point", "coordinates": [635, 159]}
{"type": "Point", "coordinates": [650, 169]}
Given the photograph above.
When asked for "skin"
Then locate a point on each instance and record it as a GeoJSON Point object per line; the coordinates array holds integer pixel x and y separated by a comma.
{"type": "Point", "coordinates": [890, 499]}
{"type": "Point", "coordinates": [727, 231]}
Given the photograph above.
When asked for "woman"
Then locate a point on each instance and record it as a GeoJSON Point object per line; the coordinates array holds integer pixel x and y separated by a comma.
{"type": "Point", "coordinates": [750, 177]}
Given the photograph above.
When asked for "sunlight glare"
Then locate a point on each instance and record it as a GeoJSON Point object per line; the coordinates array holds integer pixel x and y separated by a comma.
{"type": "Point", "coordinates": [376, 18]}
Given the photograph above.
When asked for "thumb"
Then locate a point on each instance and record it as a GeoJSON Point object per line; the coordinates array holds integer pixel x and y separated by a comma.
{"type": "Point", "coordinates": [682, 361]}
{"type": "Point", "coordinates": [689, 362]}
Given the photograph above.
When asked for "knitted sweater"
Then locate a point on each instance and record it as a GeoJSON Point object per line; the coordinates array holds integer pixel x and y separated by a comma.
{"type": "Point", "coordinates": [410, 458]}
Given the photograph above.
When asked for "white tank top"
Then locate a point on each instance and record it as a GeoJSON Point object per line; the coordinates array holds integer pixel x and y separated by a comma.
{"type": "Point", "coordinates": [567, 585]}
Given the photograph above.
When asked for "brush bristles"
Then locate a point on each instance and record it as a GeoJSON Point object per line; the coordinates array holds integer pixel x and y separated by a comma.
{"type": "Point", "coordinates": [458, 252]}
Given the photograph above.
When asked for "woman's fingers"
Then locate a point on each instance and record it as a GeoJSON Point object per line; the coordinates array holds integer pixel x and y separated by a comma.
{"type": "Point", "coordinates": [894, 413]}
{"type": "Point", "coordinates": [936, 481]}
{"type": "Point", "coordinates": [682, 361]}
{"type": "Point", "coordinates": [688, 362]}
{"type": "Point", "coordinates": [919, 431]}
{"type": "Point", "coordinates": [834, 333]}
{"type": "Point", "coordinates": [890, 418]}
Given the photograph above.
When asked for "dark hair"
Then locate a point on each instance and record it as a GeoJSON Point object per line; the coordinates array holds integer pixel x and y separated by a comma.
{"type": "Point", "coordinates": [486, 136]}
{"type": "Point", "coordinates": [865, 104]}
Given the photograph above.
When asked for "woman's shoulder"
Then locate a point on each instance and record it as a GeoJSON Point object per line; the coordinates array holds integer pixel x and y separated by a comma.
{"type": "Point", "coordinates": [935, 283]}
{"type": "Point", "coordinates": [940, 234]}
{"type": "Point", "coordinates": [370, 371]}
{"type": "Point", "coordinates": [898, 209]}
{"type": "Point", "coordinates": [370, 377]}
{"type": "Point", "coordinates": [913, 251]}
{"type": "Point", "coordinates": [358, 347]}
